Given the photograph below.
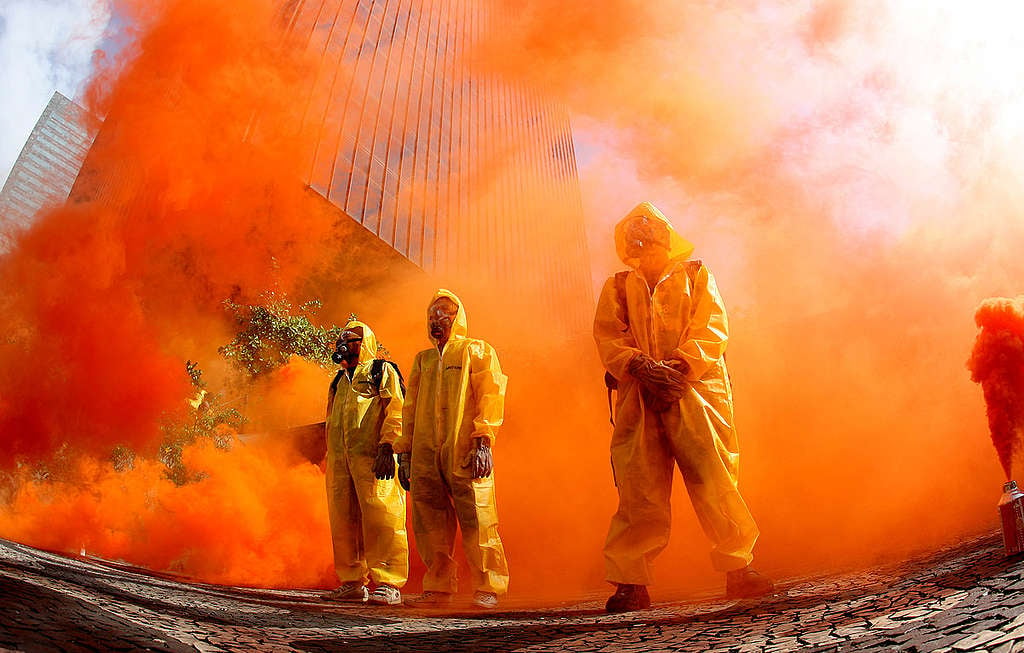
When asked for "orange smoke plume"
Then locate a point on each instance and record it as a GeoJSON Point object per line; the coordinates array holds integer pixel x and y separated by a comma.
{"type": "Point", "coordinates": [251, 521]}
{"type": "Point", "coordinates": [997, 363]}
{"type": "Point", "coordinates": [192, 194]}
{"type": "Point", "coordinates": [846, 170]}
{"type": "Point", "coordinates": [185, 200]}
{"type": "Point", "coordinates": [852, 194]}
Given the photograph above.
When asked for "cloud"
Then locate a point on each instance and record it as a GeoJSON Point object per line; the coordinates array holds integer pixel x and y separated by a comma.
{"type": "Point", "coordinates": [45, 46]}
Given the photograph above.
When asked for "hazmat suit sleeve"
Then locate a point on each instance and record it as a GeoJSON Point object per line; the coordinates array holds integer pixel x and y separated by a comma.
{"type": "Point", "coordinates": [615, 343]}
{"type": "Point", "coordinates": [391, 394]}
{"type": "Point", "coordinates": [705, 340]}
{"type": "Point", "coordinates": [488, 383]}
{"type": "Point", "coordinates": [403, 441]}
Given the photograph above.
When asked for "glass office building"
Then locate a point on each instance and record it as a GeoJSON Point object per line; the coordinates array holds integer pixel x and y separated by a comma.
{"type": "Point", "coordinates": [47, 166]}
{"type": "Point", "coordinates": [460, 171]}
{"type": "Point", "coordinates": [469, 177]}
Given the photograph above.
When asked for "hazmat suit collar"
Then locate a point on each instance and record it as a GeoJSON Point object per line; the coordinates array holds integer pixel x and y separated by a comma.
{"type": "Point", "coordinates": [460, 328]}
{"type": "Point", "coordinates": [368, 348]}
{"type": "Point", "coordinates": [679, 249]}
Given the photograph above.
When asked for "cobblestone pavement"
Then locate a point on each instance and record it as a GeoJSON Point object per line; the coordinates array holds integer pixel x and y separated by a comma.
{"type": "Point", "coordinates": [968, 597]}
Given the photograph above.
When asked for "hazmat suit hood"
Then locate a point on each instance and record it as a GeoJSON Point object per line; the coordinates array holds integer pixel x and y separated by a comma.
{"type": "Point", "coordinates": [460, 328]}
{"type": "Point", "coordinates": [368, 348]}
{"type": "Point", "coordinates": [678, 247]}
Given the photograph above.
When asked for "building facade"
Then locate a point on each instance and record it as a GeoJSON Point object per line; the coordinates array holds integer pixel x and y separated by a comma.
{"type": "Point", "coordinates": [464, 173]}
{"type": "Point", "coordinates": [48, 165]}
{"type": "Point", "coordinates": [467, 176]}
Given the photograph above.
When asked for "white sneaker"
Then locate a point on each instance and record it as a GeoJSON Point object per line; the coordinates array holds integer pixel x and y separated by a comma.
{"type": "Point", "coordinates": [485, 600]}
{"type": "Point", "coordinates": [351, 592]}
{"type": "Point", "coordinates": [385, 595]}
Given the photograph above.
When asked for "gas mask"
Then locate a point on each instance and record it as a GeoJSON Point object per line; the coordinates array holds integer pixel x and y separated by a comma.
{"type": "Point", "coordinates": [346, 350]}
{"type": "Point", "coordinates": [339, 353]}
{"type": "Point", "coordinates": [642, 233]}
{"type": "Point", "coordinates": [440, 317]}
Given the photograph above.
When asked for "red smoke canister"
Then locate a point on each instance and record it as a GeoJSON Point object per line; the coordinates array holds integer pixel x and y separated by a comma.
{"type": "Point", "coordinates": [1011, 510]}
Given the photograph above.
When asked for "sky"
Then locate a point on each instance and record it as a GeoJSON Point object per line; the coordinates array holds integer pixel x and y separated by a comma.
{"type": "Point", "coordinates": [45, 46]}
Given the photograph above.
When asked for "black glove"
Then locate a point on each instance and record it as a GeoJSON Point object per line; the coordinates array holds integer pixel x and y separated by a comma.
{"type": "Point", "coordinates": [678, 365]}
{"type": "Point", "coordinates": [404, 467]}
{"type": "Point", "coordinates": [384, 464]}
{"type": "Point", "coordinates": [654, 374]}
{"type": "Point", "coordinates": [480, 461]}
{"type": "Point", "coordinates": [661, 384]}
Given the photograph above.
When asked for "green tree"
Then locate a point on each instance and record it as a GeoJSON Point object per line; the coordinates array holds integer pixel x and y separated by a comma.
{"type": "Point", "coordinates": [207, 415]}
{"type": "Point", "coordinates": [272, 332]}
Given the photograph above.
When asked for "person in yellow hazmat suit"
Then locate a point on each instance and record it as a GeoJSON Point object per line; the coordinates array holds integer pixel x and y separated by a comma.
{"type": "Point", "coordinates": [661, 332]}
{"type": "Point", "coordinates": [454, 406]}
{"type": "Point", "coordinates": [364, 500]}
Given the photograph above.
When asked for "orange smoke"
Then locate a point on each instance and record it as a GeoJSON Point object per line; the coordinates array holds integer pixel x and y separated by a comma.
{"type": "Point", "coordinates": [997, 363]}
{"type": "Point", "coordinates": [850, 173]}
{"type": "Point", "coordinates": [191, 195]}
{"type": "Point", "coordinates": [251, 521]}
{"type": "Point", "coordinates": [853, 198]}
{"type": "Point", "coordinates": [181, 207]}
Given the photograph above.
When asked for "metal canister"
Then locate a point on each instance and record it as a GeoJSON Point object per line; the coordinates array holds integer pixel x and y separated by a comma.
{"type": "Point", "coordinates": [1011, 511]}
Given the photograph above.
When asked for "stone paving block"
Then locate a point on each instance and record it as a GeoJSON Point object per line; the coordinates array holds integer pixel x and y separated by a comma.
{"type": "Point", "coordinates": [942, 642]}
{"type": "Point", "coordinates": [851, 633]}
{"type": "Point", "coordinates": [986, 624]}
{"type": "Point", "coordinates": [883, 622]}
{"type": "Point", "coordinates": [1010, 633]}
{"type": "Point", "coordinates": [977, 640]}
{"type": "Point", "coordinates": [951, 620]}
{"type": "Point", "coordinates": [913, 613]}
{"type": "Point", "coordinates": [782, 644]}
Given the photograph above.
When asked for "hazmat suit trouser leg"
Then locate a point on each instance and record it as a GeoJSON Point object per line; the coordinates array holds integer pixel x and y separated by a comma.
{"type": "Point", "coordinates": [704, 444]}
{"type": "Point", "coordinates": [367, 523]}
{"type": "Point", "coordinates": [441, 500]}
{"type": "Point", "coordinates": [645, 448]}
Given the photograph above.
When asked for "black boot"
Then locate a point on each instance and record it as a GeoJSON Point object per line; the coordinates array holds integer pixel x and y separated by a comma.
{"type": "Point", "coordinates": [747, 584]}
{"type": "Point", "coordinates": [628, 598]}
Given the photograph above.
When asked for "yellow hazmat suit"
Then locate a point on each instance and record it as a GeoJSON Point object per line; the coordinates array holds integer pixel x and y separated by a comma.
{"type": "Point", "coordinates": [684, 319]}
{"type": "Point", "coordinates": [367, 514]}
{"type": "Point", "coordinates": [453, 396]}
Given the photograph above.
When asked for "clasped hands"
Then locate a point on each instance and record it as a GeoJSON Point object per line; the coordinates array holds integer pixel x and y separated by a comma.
{"type": "Point", "coordinates": [662, 383]}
